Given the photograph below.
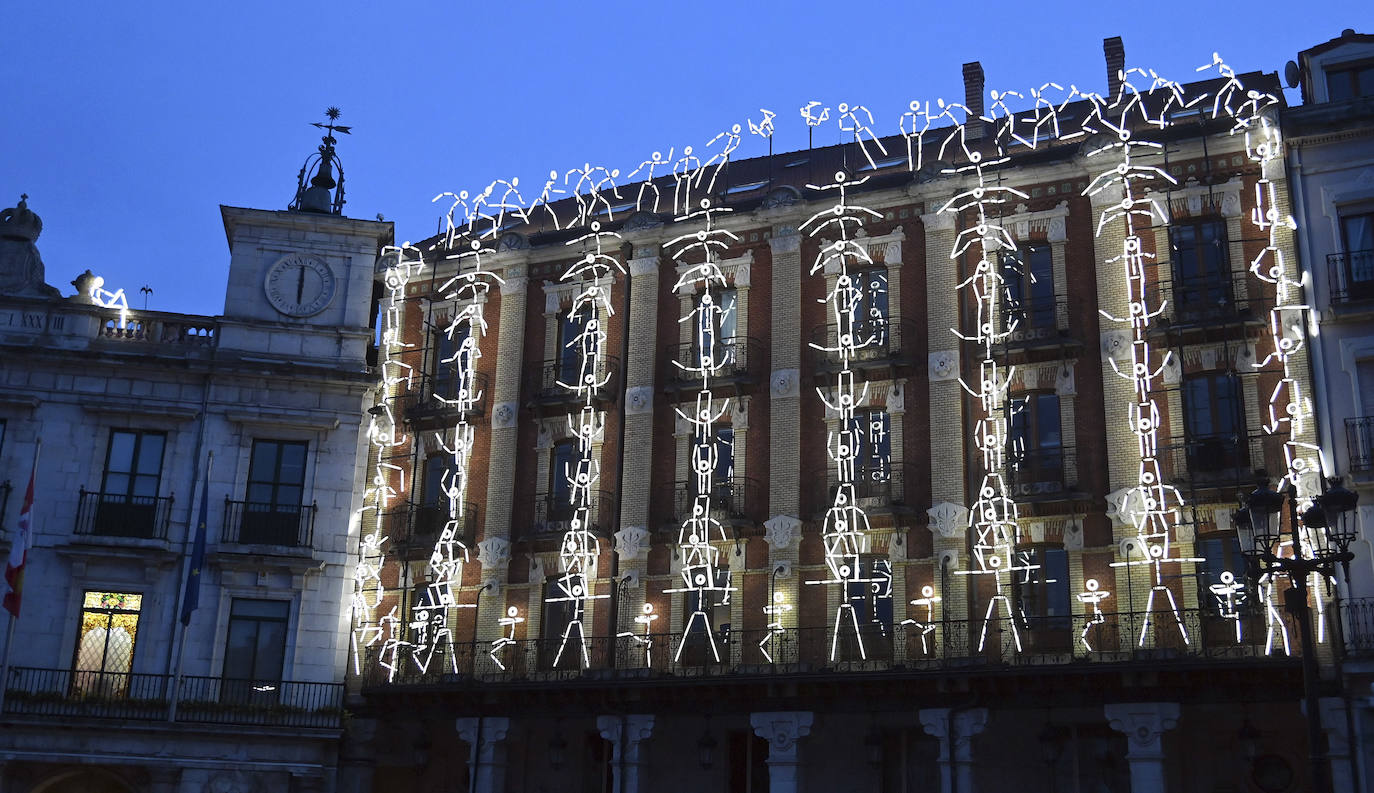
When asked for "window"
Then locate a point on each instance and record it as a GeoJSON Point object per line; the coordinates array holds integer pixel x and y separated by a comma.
{"type": "Point", "coordinates": [128, 490]}
{"type": "Point", "coordinates": [276, 488]}
{"type": "Point", "coordinates": [1037, 450]}
{"type": "Point", "coordinates": [1028, 278]}
{"type": "Point", "coordinates": [558, 615]}
{"type": "Point", "coordinates": [723, 444]}
{"type": "Point", "coordinates": [871, 595]}
{"type": "Point", "coordinates": [1202, 272]}
{"type": "Point", "coordinates": [1220, 554]}
{"type": "Point", "coordinates": [871, 310]}
{"type": "Point", "coordinates": [1213, 423]}
{"type": "Point", "coordinates": [450, 357]}
{"type": "Point", "coordinates": [716, 328]}
{"type": "Point", "coordinates": [105, 643]}
{"type": "Point", "coordinates": [1042, 588]}
{"type": "Point", "coordinates": [431, 511]}
{"type": "Point", "coordinates": [714, 602]}
{"type": "Point", "coordinates": [255, 650]}
{"type": "Point", "coordinates": [1348, 82]}
{"type": "Point", "coordinates": [872, 438]}
{"type": "Point", "coordinates": [1357, 237]}
{"type": "Point", "coordinates": [571, 343]}
{"type": "Point", "coordinates": [562, 464]}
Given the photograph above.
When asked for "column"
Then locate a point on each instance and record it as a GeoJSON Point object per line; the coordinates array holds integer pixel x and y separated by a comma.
{"type": "Point", "coordinates": [487, 760]}
{"type": "Point", "coordinates": [785, 377]}
{"type": "Point", "coordinates": [505, 403]}
{"type": "Point", "coordinates": [955, 728]}
{"type": "Point", "coordinates": [1143, 723]}
{"type": "Point", "coordinates": [782, 730]}
{"type": "Point", "coordinates": [626, 734]}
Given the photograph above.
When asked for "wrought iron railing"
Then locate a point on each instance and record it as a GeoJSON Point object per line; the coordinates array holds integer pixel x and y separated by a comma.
{"type": "Point", "coordinates": [1208, 459]}
{"type": "Point", "coordinates": [733, 499]}
{"type": "Point", "coordinates": [117, 515]}
{"type": "Point", "coordinates": [1357, 625]}
{"type": "Point", "coordinates": [553, 513]}
{"type": "Point", "coordinates": [553, 382]}
{"type": "Point", "coordinates": [741, 358]}
{"type": "Point", "coordinates": [253, 523]}
{"type": "Point", "coordinates": [431, 396]}
{"type": "Point", "coordinates": [67, 693]}
{"type": "Point", "coordinates": [1118, 638]}
{"type": "Point", "coordinates": [1352, 276]}
{"type": "Point", "coordinates": [1029, 321]}
{"type": "Point", "coordinates": [876, 487]}
{"type": "Point", "coordinates": [420, 524]}
{"type": "Point", "coordinates": [1359, 443]}
{"type": "Point", "coordinates": [1208, 301]}
{"type": "Point", "coordinates": [876, 341]}
{"type": "Point", "coordinates": [1042, 472]}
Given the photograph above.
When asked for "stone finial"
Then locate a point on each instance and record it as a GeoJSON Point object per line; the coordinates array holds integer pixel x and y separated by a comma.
{"type": "Point", "coordinates": [20, 223]}
{"type": "Point", "coordinates": [21, 268]}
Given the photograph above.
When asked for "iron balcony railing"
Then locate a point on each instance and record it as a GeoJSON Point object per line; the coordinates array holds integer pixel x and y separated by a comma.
{"type": "Point", "coordinates": [740, 359]}
{"type": "Point", "coordinates": [875, 487]}
{"type": "Point", "coordinates": [553, 513]}
{"type": "Point", "coordinates": [1042, 472]}
{"type": "Point", "coordinates": [67, 694]}
{"type": "Point", "coordinates": [555, 382]}
{"type": "Point", "coordinates": [253, 523]}
{"type": "Point", "coordinates": [1359, 443]}
{"type": "Point", "coordinates": [735, 499]}
{"type": "Point", "coordinates": [1208, 459]}
{"type": "Point", "coordinates": [431, 397]}
{"type": "Point", "coordinates": [1030, 322]}
{"type": "Point", "coordinates": [876, 342]}
{"type": "Point", "coordinates": [1356, 625]}
{"type": "Point", "coordinates": [1352, 276]}
{"type": "Point", "coordinates": [419, 525]}
{"type": "Point", "coordinates": [1207, 301]}
{"type": "Point", "coordinates": [118, 515]}
{"type": "Point", "coordinates": [1151, 638]}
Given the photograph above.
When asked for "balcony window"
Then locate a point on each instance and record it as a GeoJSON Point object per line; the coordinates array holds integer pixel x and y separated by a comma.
{"type": "Point", "coordinates": [871, 595]}
{"type": "Point", "coordinates": [715, 328]}
{"type": "Point", "coordinates": [451, 356]}
{"type": "Point", "coordinates": [872, 438]}
{"type": "Point", "coordinates": [431, 508]}
{"type": "Point", "coordinates": [1042, 588]}
{"type": "Point", "coordinates": [1036, 437]}
{"type": "Point", "coordinates": [128, 501]}
{"type": "Point", "coordinates": [572, 341]}
{"type": "Point", "coordinates": [105, 643]}
{"type": "Point", "coordinates": [722, 444]}
{"type": "Point", "coordinates": [563, 464]}
{"type": "Point", "coordinates": [559, 613]}
{"type": "Point", "coordinates": [1220, 554]}
{"type": "Point", "coordinates": [276, 488]}
{"type": "Point", "coordinates": [870, 312]}
{"type": "Point", "coordinates": [1214, 423]}
{"type": "Point", "coordinates": [1202, 270]}
{"type": "Point", "coordinates": [1347, 82]}
{"type": "Point", "coordinates": [255, 650]}
{"type": "Point", "coordinates": [1356, 262]}
{"type": "Point", "coordinates": [1028, 280]}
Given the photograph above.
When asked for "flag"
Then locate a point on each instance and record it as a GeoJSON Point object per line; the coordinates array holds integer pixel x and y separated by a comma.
{"type": "Point", "coordinates": [191, 598]}
{"type": "Point", "coordinates": [23, 540]}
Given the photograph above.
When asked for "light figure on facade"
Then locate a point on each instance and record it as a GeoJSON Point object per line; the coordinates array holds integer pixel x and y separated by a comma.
{"type": "Point", "coordinates": [104, 298]}
{"type": "Point", "coordinates": [1092, 596]}
{"type": "Point", "coordinates": [508, 623]}
{"type": "Point", "coordinates": [704, 578]}
{"type": "Point", "coordinates": [1230, 596]}
{"type": "Point", "coordinates": [775, 613]}
{"type": "Point", "coordinates": [644, 618]}
{"type": "Point", "coordinates": [647, 168]}
{"type": "Point", "coordinates": [927, 600]}
{"type": "Point", "coordinates": [845, 530]}
{"type": "Point", "coordinates": [858, 122]}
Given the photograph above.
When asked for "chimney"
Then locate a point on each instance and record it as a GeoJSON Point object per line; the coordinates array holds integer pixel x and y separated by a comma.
{"type": "Point", "coordinates": [973, 98]}
{"type": "Point", "coordinates": [1116, 61]}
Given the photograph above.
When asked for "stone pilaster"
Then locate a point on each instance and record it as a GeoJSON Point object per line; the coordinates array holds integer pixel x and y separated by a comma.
{"type": "Point", "coordinates": [785, 378]}
{"type": "Point", "coordinates": [505, 404]}
{"type": "Point", "coordinates": [627, 735]}
{"type": "Point", "coordinates": [1143, 723]}
{"type": "Point", "coordinates": [782, 730]}
{"type": "Point", "coordinates": [955, 728]}
{"type": "Point", "coordinates": [639, 386]}
{"type": "Point", "coordinates": [486, 735]}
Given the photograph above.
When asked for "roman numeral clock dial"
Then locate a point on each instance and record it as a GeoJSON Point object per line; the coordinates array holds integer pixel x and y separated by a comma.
{"type": "Point", "coordinates": [299, 286]}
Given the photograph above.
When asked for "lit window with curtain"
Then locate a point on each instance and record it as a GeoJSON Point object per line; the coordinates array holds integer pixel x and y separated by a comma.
{"type": "Point", "coordinates": [105, 643]}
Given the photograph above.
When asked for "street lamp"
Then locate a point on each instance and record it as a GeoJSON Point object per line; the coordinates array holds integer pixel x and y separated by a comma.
{"type": "Point", "coordinates": [1258, 528]}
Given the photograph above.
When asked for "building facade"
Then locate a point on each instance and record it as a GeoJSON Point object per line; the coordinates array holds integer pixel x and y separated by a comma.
{"type": "Point", "coordinates": [907, 464]}
{"type": "Point", "coordinates": [150, 422]}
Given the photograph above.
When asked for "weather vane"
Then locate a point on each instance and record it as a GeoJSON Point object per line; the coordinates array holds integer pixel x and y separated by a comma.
{"type": "Point", "coordinates": [314, 194]}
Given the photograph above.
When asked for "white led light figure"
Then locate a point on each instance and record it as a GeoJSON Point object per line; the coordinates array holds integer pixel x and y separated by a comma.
{"type": "Point", "coordinates": [546, 200]}
{"type": "Point", "coordinates": [685, 176]}
{"type": "Point", "coordinates": [851, 119]}
{"type": "Point", "coordinates": [703, 576]}
{"type": "Point", "coordinates": [720, 158]}
{"type": "Point", "coordinates": [655, 161]}
{"type": "Point", "coordinates": [1092, 596]}
{"type": "Point", "coordinates": [593, 185]}
{"type": "Point", "coordinates": [509, 624]}
{"type": "Point", "coordinates": [482, 224]}
{"type": "Point", "coordinates": [104, 298]}
{"type": "Point", "coordinates": [645, 617]}
{"type": "Point", "coordinates": [775, 611]}
{"type": "Point", "coordinates": [1230, 596]}
{"type": "Point", "coordinates": [764, 127]}
{"type": "Point", "coordinates": [845, 531]}
{"type": "Point", "coordinates": [928, 599]}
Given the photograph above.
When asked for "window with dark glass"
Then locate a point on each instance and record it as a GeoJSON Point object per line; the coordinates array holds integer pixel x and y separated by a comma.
{"type": "Point", "coordinates": [449, 359]}
{"type": "Point", "coordinates": [1202, 270]}
{"type": "Point", "coordinates": [562, 464]}
{"type": "Point", "coordinates": [557, 616]}
{"type": "Point", "coordinates": [570, 343]}
{"type": "Point", "coordinates": [716, 606]}
{"type": "Point", "coordinates": [276, 489]}
{"type": "Point", "coordinates": [871, 311]}
{"type": "Point", "coordinates": [1028, 278]}
{"type": "Point", "coordinates": [1042, 588]}
{"type": "Point", "coordinates": [872, 436]}
{"type": "Point", "coordinates": [1357, 257]}
{"type": "Point", "coordinates": [1213, 422]}
{"type": "Point", "coordinates": [105, 643]}
{"type": "Point", "coordinates": [1219, 554]}
{"type": "Point", "coordinates": [431, 511]}
{"type": "Point", "coordinates": [255, 649]}
{"type": "Point", "coordinates": [1347, 82]}
{"type": "Point", "coordinates": [129, 486]}
{"type": "Point", "coordinates": [870, 595]}
{"type": "Point", "coordinates": [716, 327]}
{"type": "Point", "coordinates": [1036, 437]}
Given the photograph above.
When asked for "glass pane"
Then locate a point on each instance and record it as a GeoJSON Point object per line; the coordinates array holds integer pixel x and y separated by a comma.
{"type": "Point", "coordinates": [1340, 85]}
{"type": "Point", "coordinates": [725, 454]}
{"type": "Point", "coordinates": [1055, 574]}
{"type": "Point", "coordinates": [1359, 232]}
{"type": "Point", "coordinates": [727, 317]}
{"type": "Point", "coordinates": [559, 470]}
{"type": "Point", "coordinates": [292, 464]}
{"type": "Point", "coordinates": [1197, 408]}
{"type": "Point", "coordinates": [239, 649]}
{"type": "Point", "coordinates": [271, 609]}
{"type": "Point", "coordinates": [116, 484]}
{"type": "Point", "coordinates": [260, 493]}
{"type": "Point", "coordinates": [145, 486]}
{"type": "Point", "coordinates": [1047, 429]}
{"type": "Point", "coordinates": [271, 651]}
{"type": "Point", "coordinates": [432, 492]}
{"type": "Point", "coordinates": [122, 452]}
{"type": "Point", "coordinates": [289, 498]}
{"type": "Point", "coordinates": [150, 454]}
{"type": "Point", "coordinates": [263, 467]}
{"type": "Point", "coordinates": [1365, 81]}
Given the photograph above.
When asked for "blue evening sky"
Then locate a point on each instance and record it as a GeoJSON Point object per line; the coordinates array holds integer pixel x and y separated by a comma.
{"type": "Point", "coordinates": [128, 124]}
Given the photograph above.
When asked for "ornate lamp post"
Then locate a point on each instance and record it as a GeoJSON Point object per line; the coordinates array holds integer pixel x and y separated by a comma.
{"type": "Point", "coordinates": [1259, 531]}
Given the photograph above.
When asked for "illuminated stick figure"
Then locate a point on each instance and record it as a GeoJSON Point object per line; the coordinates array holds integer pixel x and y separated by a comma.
{"type": "Point", "coordinates": [684, 174]}
{"type": "Point", "coordinates": [1092, 596]}
{"type": "Point", "coordinates": [1272, 619]}
{"type": "Point", "coordinates": [509, 621]}
{"type": "Point", "coordinates": [546, 199]}
{"type": "Point", "coordinates": [655, 160]}
{"type": "Point", "coordinates": [928, 599]}
{"type": "Point", "coordinates": [779, 608]}
{"type": "Point", "coordinates": [721, 158]}
{"type": "Point", "coordinates": [645, 617]}
{"type": "Point", "coordinates": [849, 121]}
{"type": "Point", "coordinates": [1230, 595]}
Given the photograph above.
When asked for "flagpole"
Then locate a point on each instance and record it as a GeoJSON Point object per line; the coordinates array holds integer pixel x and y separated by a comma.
{"type": "Point", "coordinates": [28, 541]}
{"type": "Point", "coordinates": [185, 593]}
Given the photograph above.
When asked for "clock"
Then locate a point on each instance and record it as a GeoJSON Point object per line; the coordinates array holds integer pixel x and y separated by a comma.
{"type": "Point", "coordinates": [298, 285]}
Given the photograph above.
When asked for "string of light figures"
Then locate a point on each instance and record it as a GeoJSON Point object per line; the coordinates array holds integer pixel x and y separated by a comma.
{"type": "Point", "coordinates": [976, 149]}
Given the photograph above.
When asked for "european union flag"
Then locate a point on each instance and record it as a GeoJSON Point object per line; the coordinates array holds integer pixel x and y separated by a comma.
{"type": "Point", "coordinates": [191, 598]}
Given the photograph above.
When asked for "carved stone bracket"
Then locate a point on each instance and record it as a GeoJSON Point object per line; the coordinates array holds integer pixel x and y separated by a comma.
{"type": "Point", "coordinates": [944, 365]}
{"type": "Point", "coordinates": [632, 543]}
{"type": "Point", "coordinates": [948, 519]}
{"type": "Point", "coordinates": [494, 553]}
{"type": "Point", "coordinates": [785, 383]}
{"type": "Point", "coordinates": [639, 400]}
{"type": "Point", "coordinates": [503, 416]}
{"type": "Point", "coordinates": [782, 730]}
{"type": "Point", "coordinates": [781, 531]}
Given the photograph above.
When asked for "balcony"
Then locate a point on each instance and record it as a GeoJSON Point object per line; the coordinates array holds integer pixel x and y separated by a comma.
{"type": "Point", "coordinates": [415, 528]}
{"type": "Point", "coordinates": [65, 694]}
{"type": "Point", "coordinates": [1200, 303]}
{"type": "Point", "coordinates": [742, 364]}
{"type": "Point", "coordinates": [553, 382]}
{"type": "Point", "coordinates": [112, 515]}
{"type": "Point", "coordinates": [1210, 461]}
{"type": "Point", "coordinates": [284, 525]}
{"type": "Point", "coordinates": [1042, 474]}
{"type": "Point", "coordinates": [878, 490]}
{"type": "Point", "coordinates": [881, 346]}
{"type": "Point", "coordinates": [1038, 324]}
{"type": "Point", "coordinates": [902, 651]}
{"type": "Point", "coordinates": [432, 398]}
{"type": "Point", "coordinates": [1352, 276]}
{"type": "Point", "coordinates": [734, 501]}
{"type": "Point", "coordinates": [1359, 444]}
{"type": "Point", "coordinates": [553, 514]}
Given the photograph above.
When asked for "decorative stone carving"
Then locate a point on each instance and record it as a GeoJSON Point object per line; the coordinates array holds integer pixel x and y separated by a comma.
{"type": "Point", "coordinates": [785, 383]}
{"type": "Point", "coordinates": [944, 365]}
{"type": "Point", "coordinates": [1064, 383]}
{"type": "Point", "coordinates": [781, 198]}
{"type": "Point", "coordinates": [514, 284]}
{"type": "Point", "coordinates": [21, 268]}
{"type": "Point", "coordinates": [938, 221]}
{"type": "Point", "coordinates": [739, 414]}
{"type": "Point", "coordinates": [632, 543]}
{"type": "Point", "coordinates": [896, 399]}
{"type": "Point", "coordinates": [1073, 535]}
{"type": "Point", "coordinates": [1116, 345]}
{"type": "Point", "coordinates": [892, 257]}
{"type": "Point", "coordinates": [948, 519]}
{"type": "Point", "coordinates": [780, 531]}
{"type": "Point", "coordinates": [512, 241]}
{"type": "Point", "coordinates": [642, 221]}
{"type": "Point", "coordinates": [785, 240]}
{"type": "Point", "coordinates": [782, 730]}
{"type": "Point", "coordinates": [1172, 371]}
{"type": "Point", "coordinates": [948, 559]}
{"type": "Point", "coordinates": [782, 568]}
{"type": "Point", "coordinates": [1037, 530]}
{"type": "Point", "coordinates": [1056, 231]}
{"type": "Point", "coordinates": [639, 399]}
{"type": "Point", "coordinates": [494, 553]}
{"type": "Point", "coordinates": [1230, 204]}
{"type": "Point", "coordinates": [742, 272]}
{"type": "Point", "coordinates": [503, 416]}
{"type": "Point", "coordinates": [1124, 504]}
{"type": "Point", "coordinates": [536, 568]}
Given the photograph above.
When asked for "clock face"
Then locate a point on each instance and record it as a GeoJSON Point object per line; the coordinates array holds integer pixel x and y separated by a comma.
{"type": "Point", "coordinates": [299, 285]}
